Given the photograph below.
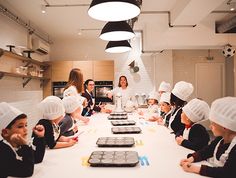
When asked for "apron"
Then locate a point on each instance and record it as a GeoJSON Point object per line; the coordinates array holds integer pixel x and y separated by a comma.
{"type": "Point", "coordinates": [164, 119]}
{"type": "Point", "coordinates": [223, 158]}
{"type": "Point", "coordinates": [186, 132]}
{"type": "Point", "coordinates": [56, 131]}
{"type": "Point", "coordinates": [172, 117]}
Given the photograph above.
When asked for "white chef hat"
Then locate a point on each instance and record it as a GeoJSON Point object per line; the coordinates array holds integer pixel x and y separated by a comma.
{"type": "Point", "coordinates": [7, 114]}
{"type": "Point", "coordinates": [71, 103]}
{"type": "Point", "coordinates": [223, 112]}
{"type": "Point", "coordinates": [165, 97]}
{"type": "Point", "coordinates": [153, 95]}
{"type": "Point", "coordinates": [52, 108]}
{"type": "Point", "coordinates": [196, 110]}
{"type": "Point", "coordinates": [164, 86]}
{"type": "Point", "coordinates": [183, 90]}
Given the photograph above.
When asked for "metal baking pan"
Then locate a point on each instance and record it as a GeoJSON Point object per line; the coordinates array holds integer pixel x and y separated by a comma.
{"type": "Point", "coordinates": [113, 159]}
{"type": "Point", "coordinates": [115, 142]}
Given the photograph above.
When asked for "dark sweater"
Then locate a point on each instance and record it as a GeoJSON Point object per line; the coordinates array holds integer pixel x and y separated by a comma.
{"type": "Point", "coordinates": [227, 171]}
{"type": "Point", "coordinates": [197, 139]}
{"type": "Point", "coordinates": [10, 166]}
{"type": "Point", "coordinates": [87, 111]}
{"type": "Point", "coordinates": [176, 125]}
{"type": "Point", "coordinates": [65, 124]}
{"type": "Point", "coordinates": [49, 134]}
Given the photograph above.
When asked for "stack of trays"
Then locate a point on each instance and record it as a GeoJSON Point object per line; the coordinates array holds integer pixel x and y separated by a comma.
{"type": "Point", "coordinates": [125, 130]}
{"type": "Point", "coordinates": [113, 159]}
{"type": "Point", "coordinates": [118, 116]}
{"type": "Point", "coordinates": [125, 122]}
{"type": "Point", "coordinates": [115, 142]}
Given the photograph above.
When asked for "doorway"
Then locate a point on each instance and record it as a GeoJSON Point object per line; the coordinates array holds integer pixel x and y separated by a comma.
{"type": "Point", "coordinates": [210, 81]}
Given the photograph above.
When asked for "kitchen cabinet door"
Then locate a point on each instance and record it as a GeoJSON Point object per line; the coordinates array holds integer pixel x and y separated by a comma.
{"type": "Point", "coordinates": [103, 70]}
{"type": "Point", "coordinates": [86, 67]}
{"type": "Point", "coordinates": [61, 70]}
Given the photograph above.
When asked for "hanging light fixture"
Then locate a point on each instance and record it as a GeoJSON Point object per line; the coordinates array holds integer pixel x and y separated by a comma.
{"type": "Point", "coordinates": [118, 46]}
{"type": "Point", "coordinates": [113, 10]}
{"type": "Point", "coordinates": [116, 31]}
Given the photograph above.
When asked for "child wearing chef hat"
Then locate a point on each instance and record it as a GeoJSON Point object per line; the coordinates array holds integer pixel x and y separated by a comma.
{"type": "Point", "coordinates": [195, 136]}
{"type": "Point", "coordinates": [153, 109]}
{"type": "Point", "coordinates": [221, 153]}
{"type": "Point", "coordinates": [53, 112]}
{"type": "Point", "coordinates": [17, 156]}
{"type": "Point", "coordinates": [73, 109]}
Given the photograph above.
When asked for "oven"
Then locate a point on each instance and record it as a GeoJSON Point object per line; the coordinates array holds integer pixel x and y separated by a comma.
{"type": "Point", "coordinates": [100, 91]}
{"type": "Point", "coordinates": [58, 88]}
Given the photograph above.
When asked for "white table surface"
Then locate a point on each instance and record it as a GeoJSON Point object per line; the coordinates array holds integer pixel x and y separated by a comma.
{"type": "Point", "coordinates": [159, 147]}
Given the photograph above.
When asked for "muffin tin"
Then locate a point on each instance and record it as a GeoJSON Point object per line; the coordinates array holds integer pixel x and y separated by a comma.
{"type": "Point", "coordinates": [113, 159]}
{"type": "Point", "coordinates": [125, 130]}
{"type": "Point", "coordinates": [121, 123]}
{"type": "Point", "coordinates": [118, 116]}
{"type": "Point", "coordinates": [115, 141]}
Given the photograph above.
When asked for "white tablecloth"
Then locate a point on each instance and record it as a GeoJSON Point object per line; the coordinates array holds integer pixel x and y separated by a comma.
{"type": "Point", "coordinates": [155, 142]}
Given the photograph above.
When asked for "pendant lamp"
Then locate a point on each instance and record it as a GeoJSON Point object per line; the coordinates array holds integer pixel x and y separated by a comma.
{"type": "Point", "coordinates": [116, 31]}
{"type": "Point", "coordinates": [118, 46]}
{"type": "Point", "coordinates": [113, 10]}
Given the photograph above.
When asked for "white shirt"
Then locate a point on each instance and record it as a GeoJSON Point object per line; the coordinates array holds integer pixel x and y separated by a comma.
{"type": "Point", "coordinates": [72, 91]}
{"type": "Point", "coordinates": [125, 93]}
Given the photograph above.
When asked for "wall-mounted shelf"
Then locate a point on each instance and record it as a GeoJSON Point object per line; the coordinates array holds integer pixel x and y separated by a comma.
{"type": "Point", "coordinates": [27, 60]}
{"type": "Point", "coordinates": [23, 58]}
{"type": "Point", "coordinates": [26, 78]}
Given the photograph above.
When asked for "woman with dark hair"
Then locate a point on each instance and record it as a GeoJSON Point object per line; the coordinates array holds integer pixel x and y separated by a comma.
{"type": "Point", "coordinates": [178, 98]}
{"type": "Point", "coordinates": [123, 89]}
{"type": "Point", "coordinates": [88, 110]}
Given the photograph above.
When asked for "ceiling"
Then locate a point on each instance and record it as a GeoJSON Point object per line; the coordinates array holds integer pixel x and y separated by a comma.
{"type": "Point", "coordinates": [66, 22]}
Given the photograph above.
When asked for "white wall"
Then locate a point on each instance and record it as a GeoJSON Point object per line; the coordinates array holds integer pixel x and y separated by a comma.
{"type": "Point", "coordinates": [184, 62]}
{"type": "Point", "coordinates": [11, 89]}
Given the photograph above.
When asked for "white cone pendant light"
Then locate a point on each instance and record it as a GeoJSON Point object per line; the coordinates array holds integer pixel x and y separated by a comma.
{"type": "Point", "coordinates": [118, 46]}
{"type": "Point", "coordinates": [117, 31]}
{"type": "Point", "coordinates": [113, 10]}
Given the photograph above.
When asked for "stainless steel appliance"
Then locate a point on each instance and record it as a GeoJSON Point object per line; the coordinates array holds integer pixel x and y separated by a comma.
{"type": "Point", "coordinates": [101, 89]}
{"type": "Point", "coordinates": [58, 88]}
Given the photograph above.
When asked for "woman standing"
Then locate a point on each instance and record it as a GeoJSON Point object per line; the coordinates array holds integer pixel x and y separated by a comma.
{"type": "Point", "coordinates": [74, 84]}
{"type": "Point", "coordinates": [123, 89]}
{"type": "Point", "coordinates": [74, 87]}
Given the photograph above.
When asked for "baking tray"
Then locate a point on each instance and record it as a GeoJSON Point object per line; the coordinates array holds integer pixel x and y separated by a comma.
{"type": "Point", "coordinates": [115, 142]}
{"type": "Point", "coordinates": [118, 116]}
{"type": "Point", "coordinates": [123, 122]}
{"type": "Point", "coordinates": [113, 159]}
{"type": "Point", "coordinates": [125, 130]}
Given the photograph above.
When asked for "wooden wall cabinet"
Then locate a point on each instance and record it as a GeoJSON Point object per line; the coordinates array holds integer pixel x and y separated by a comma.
{"type": "Point", "coordinates": [96, 70]}
{"type": "Point", "coordinates": [86, 67]}
{"type": "Point", "coordinates": [103, 70]}
{"type": "Point", "coordinates": [61, 70]}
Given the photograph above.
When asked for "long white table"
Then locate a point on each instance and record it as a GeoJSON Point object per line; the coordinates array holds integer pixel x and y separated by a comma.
{"type": "Point", "coordinates": [155, 142]}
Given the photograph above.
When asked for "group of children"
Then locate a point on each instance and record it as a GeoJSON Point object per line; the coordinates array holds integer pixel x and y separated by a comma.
{"type": "Point", "coordinates": [184, 120]}
{"type": "Point", "coordinates": [18, 156]}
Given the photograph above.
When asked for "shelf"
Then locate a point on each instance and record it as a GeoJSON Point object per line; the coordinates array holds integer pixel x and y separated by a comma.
{"type": "Point", "coordinates": [22, 58]}
{"type": "Point", "coordinates": [26, 78]}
